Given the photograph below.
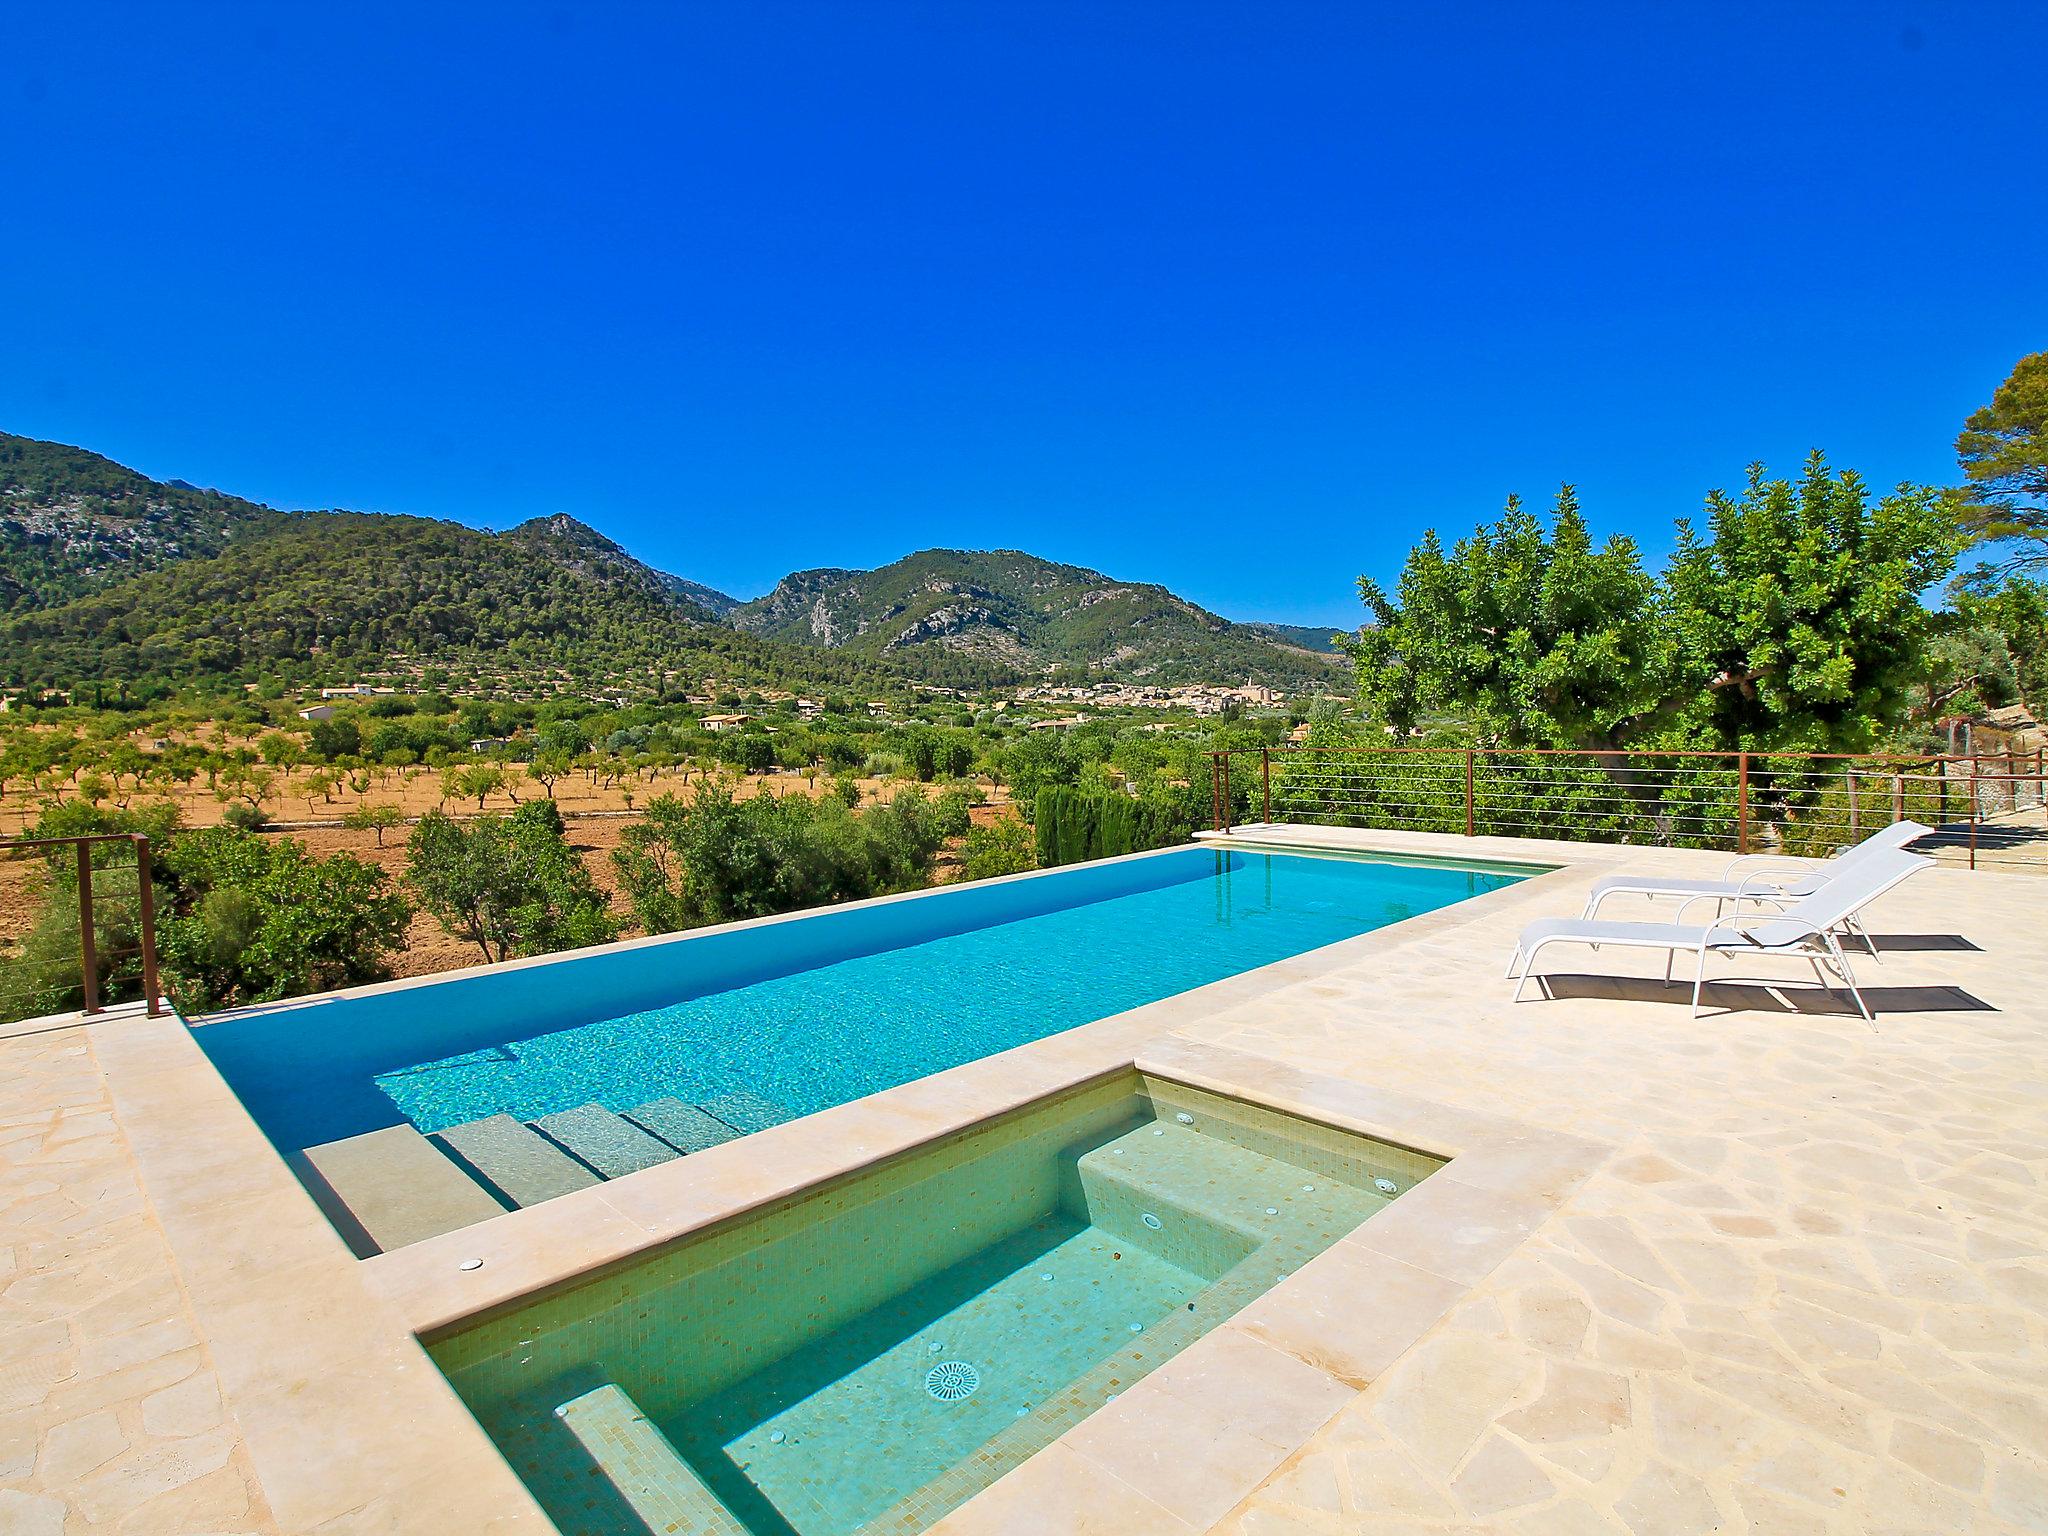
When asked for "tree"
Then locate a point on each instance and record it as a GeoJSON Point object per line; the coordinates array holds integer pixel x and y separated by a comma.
{"type": "Point", "coordinates": [1536, 640]}
{"type": "Point", "coordinates": [1792, 623]}
{"type": "Point", "coordinates": [2003, 451]}
{"type": "Point", "coordinates": [1798, 618]}
{"type": "Point", "coordinates": [338, 737]}
{"type": "Point", "coordinates": [511, 885]}
{"type": "Point", "coordinates": [546, 768]}
{"type": "Point", "coordinates": [373, 818]}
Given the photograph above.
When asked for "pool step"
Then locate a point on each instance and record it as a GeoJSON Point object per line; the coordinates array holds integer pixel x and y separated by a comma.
{"type": "Point", "coordinates": [745, 1112]}
{"type": "Point", "coordinates": [396, 1187]}
{"type": "Point", "coordinates": [609, 1143]}
{"type": "Point", "coordinates": [1205, 1186]}
{"type": "Point", "coordinates": [631, 1454]}
{"type": "Point", "coordinates": [686, 1127]}
{"type": "Point", "coordinates": [521, 1164]}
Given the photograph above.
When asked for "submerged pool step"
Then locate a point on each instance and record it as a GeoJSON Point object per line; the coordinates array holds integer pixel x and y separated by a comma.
{"type": "Point", "coordinates": [396, 1187]}
{"type": "Point", "coordinates": [686, 1127]}
{"type": "Point", "coordinates": [745, 1112]}
{"type": "Point", "coordinates": [631, 1454]}
{"type": "Point", "coordinates": [523, 1165]}
{"type": "Point", "coordinates": [1209, 1182]}
{"type": "Point", "coordinates": [609, 1143]}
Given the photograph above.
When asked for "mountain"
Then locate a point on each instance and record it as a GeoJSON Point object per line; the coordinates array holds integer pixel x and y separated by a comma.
{"type": "Point", "coordinates": [1307, 637]}
{"type": "Point", "coordinates": [1016, 611]}
{"type": "Point", "coordinates": [336, 594]}
{"type": "Point", "coordinates": [108, 575]}
{"type": "Point", "coordinates": [71, 522]}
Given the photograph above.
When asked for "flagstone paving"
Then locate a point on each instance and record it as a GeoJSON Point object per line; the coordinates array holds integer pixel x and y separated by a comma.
{"type": "Point", "coordinates": [110, 1415]}
{"type": "Point", "coordinates": [1808, 1292]}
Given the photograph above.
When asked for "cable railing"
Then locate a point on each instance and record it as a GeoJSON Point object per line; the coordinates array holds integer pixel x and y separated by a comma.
{"type": "Point", "coordinates": [1990, 809]}
{"type": "Point", "coordinates": [96, 943]}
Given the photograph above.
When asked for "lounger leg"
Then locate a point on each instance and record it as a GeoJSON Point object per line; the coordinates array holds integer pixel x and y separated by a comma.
{"type": "Point", "coordinates": [1869, 944]}
{"type": "Point", "coordinates": [1670, 959]}
{"type": "Point", "coordinates": [1849, 979]}
{"type": "Point", "coordinates": [1517, 955]}
{"type": "Point", "coordinates": [1699, 980]}
{"type": "Point", "coordinates": [1522, 982]}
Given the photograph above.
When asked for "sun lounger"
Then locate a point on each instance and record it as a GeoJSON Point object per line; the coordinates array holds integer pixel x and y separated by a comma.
{"type": "Point", "coordinates": [1764, 879]}
{"type": "Point", "coordinates": [1805, 928]}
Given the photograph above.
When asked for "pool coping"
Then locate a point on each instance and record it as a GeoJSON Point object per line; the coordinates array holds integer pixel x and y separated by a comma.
{"type": "Point", "coordinates": [351, 1427]}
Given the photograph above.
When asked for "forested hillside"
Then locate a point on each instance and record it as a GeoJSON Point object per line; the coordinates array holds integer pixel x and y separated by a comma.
{"type": "Point", "coordinates": [72, 522]}
{"type": "Point", "coordinates": [109, 577]}
{"type": "Point", "coordinates": [337, 592]}
{"type": "Point", "coordinates": [1014, 610]}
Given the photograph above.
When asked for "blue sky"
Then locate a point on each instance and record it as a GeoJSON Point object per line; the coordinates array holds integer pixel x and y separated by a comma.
{"type": "Point", "coordinates": [1237, 298]}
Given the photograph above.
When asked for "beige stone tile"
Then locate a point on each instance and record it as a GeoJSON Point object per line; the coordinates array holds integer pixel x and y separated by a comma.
{"type": "Point", "coordinates": [1351, 1312]}
{"type": "Point", "coordinates": [1270, 1393]}
{"type": "Point", "coordinates": [1452, 1228]}
{"type": "Point", "coordinates": [1059, 1490]}
{"type": "Point", "coordinates": [1191, 1458]}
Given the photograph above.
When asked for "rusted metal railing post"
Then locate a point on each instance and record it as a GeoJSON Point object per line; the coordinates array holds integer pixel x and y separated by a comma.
{"type": "Point", "coordinates": [1469, 756]}
{"type": "Point", "coordinates": [1266, 781]}
{"type": "Point", "coordinates": [1742, 804]}
{"type": "Point", "coordinates": [1973, 813]}
{"type": "Point", "coordinates": [88, 952]}
{"type": "Point", "coordinates": [145, 892]}
{"type": "Point", "coordinates": [1216, 787]}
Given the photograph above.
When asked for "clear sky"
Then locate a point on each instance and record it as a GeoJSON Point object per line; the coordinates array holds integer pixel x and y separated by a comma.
{"type": "Point", "coordinates": [1238, 298]}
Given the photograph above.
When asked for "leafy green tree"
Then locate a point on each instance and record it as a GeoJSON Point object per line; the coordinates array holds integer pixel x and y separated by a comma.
{"type": "Point", "coordinates": [338, 737]}
{"type": "Point", "coordinates": [1537, 639]}
{"type": "Point", "coordinates": [1793, 622]}
{"type": "Point", "coordinates": [2003, 450]}
{"type": "Point", "coordinates": [377, 818]}
{"type": "Point", "coordinates": [254, 919]}
{"type": "Point", "coordinates": [511, 885]}
{"type": "Point", "coordinates": [749, 751]}
{"type": "Point", "coordinates": [1797, 617]}
{"type": "Point", "coordinates": [1000, 848]}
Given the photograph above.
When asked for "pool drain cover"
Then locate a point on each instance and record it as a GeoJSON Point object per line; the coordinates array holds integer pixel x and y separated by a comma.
{"type": "Point", "coordinates": [952, 1381]}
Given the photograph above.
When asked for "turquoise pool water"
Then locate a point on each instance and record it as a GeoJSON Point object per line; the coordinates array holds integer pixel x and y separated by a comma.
{"type": "Point", "coordinates": [537, 1079]}
{"type": "Point", "coordinates": [824, 1035]}
{"type": "Point", "coordinates": [866, 1356]}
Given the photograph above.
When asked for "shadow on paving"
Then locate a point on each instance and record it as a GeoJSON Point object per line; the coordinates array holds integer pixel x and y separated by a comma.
{"type": "Point", "coordinates": [1758, 997]}
{"type": "Point", "coordinates": [1905, 943]}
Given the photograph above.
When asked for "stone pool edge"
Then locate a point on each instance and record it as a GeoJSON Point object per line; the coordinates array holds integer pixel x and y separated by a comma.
{"type": "Point", "coordinates": [351, 1426]}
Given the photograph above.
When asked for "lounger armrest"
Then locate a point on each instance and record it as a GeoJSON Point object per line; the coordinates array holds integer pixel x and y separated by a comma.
{"type": "Point", "coordinates": [1739, 927]}
{"type": "Point", "coordinates": [1764, 885]}
{"type": "Point", "coordinates": [1749, 861]}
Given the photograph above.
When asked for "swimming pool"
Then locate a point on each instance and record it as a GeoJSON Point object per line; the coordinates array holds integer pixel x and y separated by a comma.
{"type": "Point", "coordinates": [532, 1080]}
{"type": "Point", "coordinates": [864, 1356]}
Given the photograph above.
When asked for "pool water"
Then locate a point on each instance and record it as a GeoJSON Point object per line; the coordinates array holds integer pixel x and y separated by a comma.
{"type": "Point", "coordinates": [415, 1109]}
{"type": "Point", "coordinates": [822, 1036]}
{"type": "Point", "coordinates": [864, 1357]}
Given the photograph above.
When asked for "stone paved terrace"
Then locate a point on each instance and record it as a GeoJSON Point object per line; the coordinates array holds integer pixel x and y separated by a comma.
{"type": "Point", "coordinates": [1804, 1289]}
{"type": "Point", "coordinates": [110, 1413]}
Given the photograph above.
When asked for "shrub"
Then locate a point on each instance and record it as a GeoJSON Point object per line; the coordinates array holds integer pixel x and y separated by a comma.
{"type": "Point", "coordinates": [511, 885]}
{"type": "Point", "coordinates": [1000, 848]}
{"type": "Point", "coordinates": [252, 920]}
{"type": "Point", "coordinates": [712, 858]}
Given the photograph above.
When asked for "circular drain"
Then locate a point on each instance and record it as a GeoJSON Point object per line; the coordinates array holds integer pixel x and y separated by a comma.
{"type": "Point", "coordinates": [952, 1381]}
{"type": "Point", "coordinates": [1150, 1220]}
